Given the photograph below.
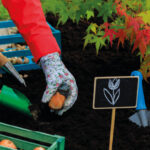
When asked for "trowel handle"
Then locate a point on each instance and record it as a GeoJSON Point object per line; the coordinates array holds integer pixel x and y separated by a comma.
{"type": "Point", "coordinates": [3, 60]}
{"type": "Point", "coordinates": [141, 99]}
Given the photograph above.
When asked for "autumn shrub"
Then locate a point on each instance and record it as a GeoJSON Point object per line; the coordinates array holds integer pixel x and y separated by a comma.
{"type": "Point", "coordinates": [122, 20]}
{"type": "Point", "coordinates": [131, 22]}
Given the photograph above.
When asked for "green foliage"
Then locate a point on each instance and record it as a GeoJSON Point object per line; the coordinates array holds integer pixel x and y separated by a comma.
{"type": "Point", "coordinates": [3, 13]}
{"type": "Point", "coordinates": [95, 35]}
{"type": "Point", "coordinates": [78, 9]}
{"type": "Point", "coordinates": [89, 14]}
{"type": "Point", "coordinates": [106, 10]}
{"type": "Point", "coordinates": [145, 16]}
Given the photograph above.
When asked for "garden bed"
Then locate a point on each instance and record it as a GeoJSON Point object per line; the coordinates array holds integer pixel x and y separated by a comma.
{"type": "Point", "coordinates": [83, 127]}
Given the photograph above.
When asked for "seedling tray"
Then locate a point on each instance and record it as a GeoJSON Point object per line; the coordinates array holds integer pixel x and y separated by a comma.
{"type": "Point", "coordinates": [25, 139]}
{"type": "Point", "coordinates": [17, 38]}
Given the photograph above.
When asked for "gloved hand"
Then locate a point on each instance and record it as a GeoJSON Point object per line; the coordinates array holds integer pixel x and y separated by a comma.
{"type": "Point", "coordinates": [57, 76]}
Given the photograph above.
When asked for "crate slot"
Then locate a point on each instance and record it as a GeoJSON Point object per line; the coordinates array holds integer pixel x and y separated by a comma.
{"type": "Point", "coordinates": [26, 139]}
{"type": "Point", "coordinates": [17, 38]}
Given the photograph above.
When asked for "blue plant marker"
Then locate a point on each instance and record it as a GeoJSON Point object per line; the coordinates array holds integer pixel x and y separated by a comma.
{"type": "Point", "coordinates": [141, 100]}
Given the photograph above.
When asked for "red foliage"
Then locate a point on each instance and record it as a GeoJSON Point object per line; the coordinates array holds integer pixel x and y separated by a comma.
{"type": "Point", "coordinates": [109, 32]}
{"type": "Point", "coordinates": [134, 30]}
{"type": "Point", "coordinates": [120, 10]}
{"type": "Point", "coordinates": [135, 22]}
{"type": "Point", "coordinates": [121, 34]}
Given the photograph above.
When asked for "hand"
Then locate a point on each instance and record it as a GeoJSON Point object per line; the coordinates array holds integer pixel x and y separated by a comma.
{"type": "Point", "coordinates": [58, 76]}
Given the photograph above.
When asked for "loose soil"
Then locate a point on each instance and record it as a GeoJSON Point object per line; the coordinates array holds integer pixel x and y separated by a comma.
{"type": "Point", "coordinates": [83, 127]}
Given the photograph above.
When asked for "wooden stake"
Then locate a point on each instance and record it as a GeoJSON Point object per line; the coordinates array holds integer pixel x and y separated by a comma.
{"type": "Point", "coordinates": [112, 128]}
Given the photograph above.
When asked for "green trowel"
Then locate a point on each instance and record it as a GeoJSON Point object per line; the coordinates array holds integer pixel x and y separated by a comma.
{"type": "Point", "coordinates": [16, 100]}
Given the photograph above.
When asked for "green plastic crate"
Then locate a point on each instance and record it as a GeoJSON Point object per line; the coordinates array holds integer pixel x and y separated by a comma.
{"type": "Point", "coordinates": [25, 139]}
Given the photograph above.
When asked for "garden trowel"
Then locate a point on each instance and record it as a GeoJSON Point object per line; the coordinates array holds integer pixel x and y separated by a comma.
{"type": "Point", "coordinates": [17, 101]}
{"type": "Point", "coordinates": [142, 116]}
{"type": "Point", "coordinates": [8, 67]}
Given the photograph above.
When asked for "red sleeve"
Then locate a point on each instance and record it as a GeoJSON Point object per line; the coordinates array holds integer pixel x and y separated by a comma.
{"type": "Point", "coordinates": [30, 20]}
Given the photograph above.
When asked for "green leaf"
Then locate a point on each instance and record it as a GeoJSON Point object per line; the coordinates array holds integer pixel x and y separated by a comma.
{"type": "Point", "coordinates": [106, 10]}
{"type": "Point", "coordinates": [147, 4]}
{"type": "Point", "coordinates": [145, 16]}
{"type": "Point", "coordinates": [88, 39]}
{"type": "Point", "coordinates": [92, 27]}
{"type": "Point", "coordinates": [63, 19]}
{"type": "Point", "coordinates": [100, 42]}
{"type": "Point", "coordinates": [89, 14]}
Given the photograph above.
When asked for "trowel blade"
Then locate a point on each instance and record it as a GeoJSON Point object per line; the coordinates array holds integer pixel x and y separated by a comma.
{"type": "Point", "coordinates": [135, 119]}
{"type": "Point", "coordinates": [8, 67]}
{"type": "Point", "coordinates": [141, 118]}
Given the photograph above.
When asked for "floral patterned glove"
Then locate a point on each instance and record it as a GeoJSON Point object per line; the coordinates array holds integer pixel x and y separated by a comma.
{"type": "Point", "coordinates": [57, 76]}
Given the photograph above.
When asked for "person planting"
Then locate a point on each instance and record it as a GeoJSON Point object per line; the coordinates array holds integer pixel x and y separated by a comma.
{"type": "Point", "coordinates": [31, 23]}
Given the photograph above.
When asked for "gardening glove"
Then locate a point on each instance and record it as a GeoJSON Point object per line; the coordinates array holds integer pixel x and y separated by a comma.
{"type": "Point", "coordinates": [58, 77]}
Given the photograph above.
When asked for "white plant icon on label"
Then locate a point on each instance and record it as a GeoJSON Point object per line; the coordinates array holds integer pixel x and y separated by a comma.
{"type": "Point", "coordinates": [113, 85]}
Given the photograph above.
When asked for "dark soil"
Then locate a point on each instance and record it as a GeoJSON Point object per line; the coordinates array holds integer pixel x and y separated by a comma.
{"type": "Point", "coordinates": [83, 127]}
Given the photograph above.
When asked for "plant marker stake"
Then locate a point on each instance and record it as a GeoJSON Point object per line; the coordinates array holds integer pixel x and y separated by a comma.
{"type": "Point", "coordinates": [106, 98]}
{"type": "Point", "coordinates": [112, 128]}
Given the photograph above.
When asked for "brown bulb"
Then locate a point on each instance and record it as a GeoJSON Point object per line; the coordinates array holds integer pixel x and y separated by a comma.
{"type": "Point", "coordinates": [57, 101]}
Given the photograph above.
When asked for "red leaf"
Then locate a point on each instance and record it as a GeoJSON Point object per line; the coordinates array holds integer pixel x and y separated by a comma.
{"type": "Point", "coordinates": [142, 47]}
{"type": "Point", "coordinates": [140, 42]}
{"type": "Point", "coordinates": [120, 10]}
{"type": "Point", "coordinates": [110, 33]}
{"type": "Point", "coordinates": [106, 25]}
{"type": "Point", "coordinates": [121, 34]}
{"type": "Point", "coordinates": [132, 35]}
{"type": "Point", "coordinates": [134, 23]}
